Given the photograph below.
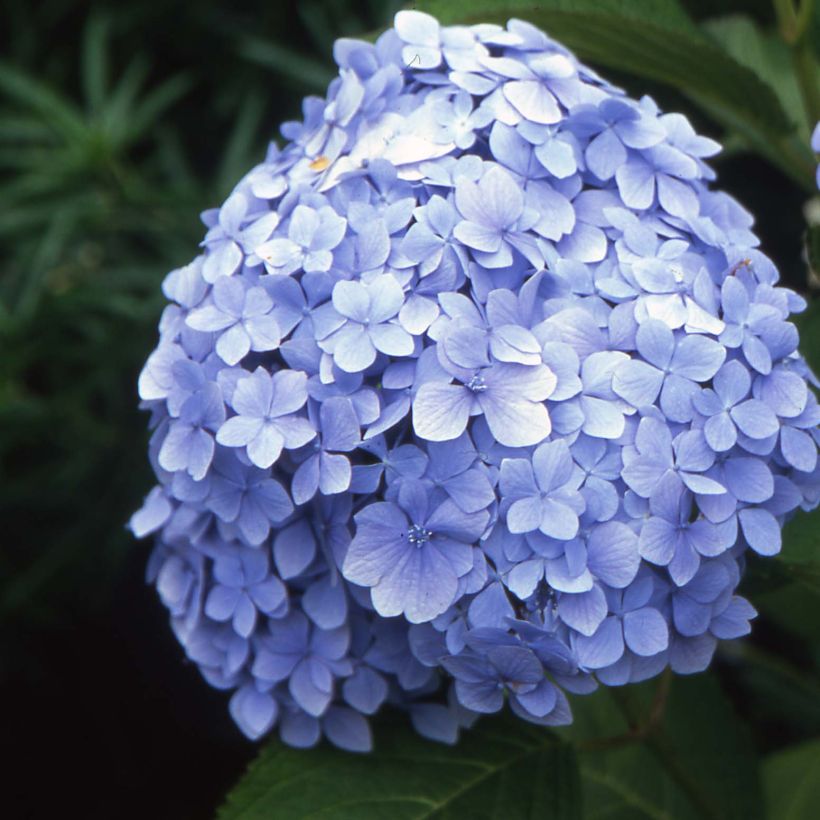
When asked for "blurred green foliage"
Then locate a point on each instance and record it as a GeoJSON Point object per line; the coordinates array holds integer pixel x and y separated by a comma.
{"type": "Point", "coordinates": [120, 123]}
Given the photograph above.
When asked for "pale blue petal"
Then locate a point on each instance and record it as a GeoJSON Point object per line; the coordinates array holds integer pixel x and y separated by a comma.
{"type": "Point", "coordinates": [605, 154]}
{"type": "Point", "coordinates": [637, 382]}
{"type": "Point", "coordinates": [514, 422]}
{"type": "Point", "coordinates": [441, 411]}
{"type": "Point", "coordinates": [421, 585]}
{"type": "Point", "coordinates": [755, 419]}
{"type": "Point", "coordinates": [583, 612]}
{"type": "Point", "coordinates": [645, 631]}
{"type": "Point", "coordinates": [353, 350]}
{"type": "Point", "coordinates": [352, 300]}
{"type": "Point", "coordinates": [697, 358]}
{"type": "Point", "coordinates": [602, 649]}
{"type": "Point", "coordinates": [636, 183]}
{"type": "Point", "coordinates": [720, 432]}
{"type": "Point", "coordinates": [533, 100]}
{"type": "Point", "coordinates": [656, 343]}
{"type": "Point", "coordinates": [239, 431]}
{"type": "Point", "coordinates": [525, 515]}
{"type": "Point", "coordinates": [612, 554]}
{"type": "Point", "coordinates": [761, 531]}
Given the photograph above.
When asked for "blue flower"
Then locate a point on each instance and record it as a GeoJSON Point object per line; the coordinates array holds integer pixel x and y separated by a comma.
{"type": "Point", "coordinates": [189, 444]}
{"type": "Point", "coordinates": [673, 538]}
{"type": "Point", "coordinates": [266, 417]}
{"type": "Point", "coordinates": [327, 469]}
{"type": "Point", "coordinates": [726, 410]}
{"type": "Point", "coordinates": [429, 240]}
{"type": "Point", "coordinates": [656, 455]}
{"type": "Point", "coordinates": [543, 493]}
{"type": "Point", "coordinates": [614, 126]}
{"type": "Point", "coordinates": [455, 467]}
{"type": "Point", "coordinates": [309, 658]}
{"type": "Point", "coordinates": [510, 395]}
{"type": "Point", "coordinates": [246, 497]}
{"type": "Point", "coordinates": [669, 366]}
{"type": "Point", "coordinates": [757, 328]}
{"type": "Point", "coordinates": [412, 553]}
{"type": "Point", "coordinates": [460, 120]}
{"type": "Point", "coordinates": [636, 630]}
{"type": "Point", "coordinates": [490, 210]}
{"type": "Point", "coordinates": [483, 677]}
{"type": "Point", "coordinates": [365, 329]}
{"type": "Point", "coordinates": [243, 586]}
{"type": "Point", "coordinates": [663, 169]}
{"type": "Point", "coordinates": [312, 235]}
{"type": "Point", "coordinates": [241, 318]}
{"type": "Point", "coordinates": [476, 394]}
{"type": "Point", "coordinates": [227, 241]}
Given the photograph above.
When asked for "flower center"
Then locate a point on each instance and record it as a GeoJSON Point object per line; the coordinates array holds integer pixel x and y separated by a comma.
{"type": "Point", "coordinates": [418, 536]}
{"type": "Point", "coordinates": [476, 384]}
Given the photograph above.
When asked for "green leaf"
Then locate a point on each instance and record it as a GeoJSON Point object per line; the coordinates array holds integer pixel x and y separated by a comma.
{"type": "Point", "coordinates": [95, 62]}
{"type": "Point", "coordinates": [239, 150]}
{"type": "Point", "coordinates": [767, 55]}
{"type": "Point", "coordinates": [791, 779]}
{"type": "Point", "coordinates": [705, 738]}
{"type": "Point", "coordinates": [808, 323]}
{"type": "Point", "coordinates": [801, 540]}
{"type": "Point", "coordinates": [30, 93]}
{"type": "Point", "coordinates": [696, 763]}
{"type": "Point", "coordinates": [150, 108]}
{"type": "Point", "coordinates": [780, 691]}
{"type": "Point", "coordinates": [655, 39]}
{"type": "Point", "coordinates": [306, 71]}
{"type": "Point", "coordinates": [503, 769]}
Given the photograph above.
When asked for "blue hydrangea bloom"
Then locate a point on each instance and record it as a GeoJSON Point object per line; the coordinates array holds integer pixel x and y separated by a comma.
{"type": "Point", "coordinates": [477, 394]}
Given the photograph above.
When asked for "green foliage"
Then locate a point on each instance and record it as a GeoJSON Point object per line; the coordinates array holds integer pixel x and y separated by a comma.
{"type": "Point", "coordinates": [792, 782]}
{"type": "Point", "coordinates": [68, 162]}
{"type": "Point", "coordinates": [501, 770]}
{"type": "Point", "coordinates": [687, 757]}
{"type": "Point", "coordinates": [768, 56]}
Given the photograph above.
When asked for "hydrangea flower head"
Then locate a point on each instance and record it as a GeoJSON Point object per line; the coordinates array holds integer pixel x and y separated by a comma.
{"type": "Point", "coordinates": [478, 393]}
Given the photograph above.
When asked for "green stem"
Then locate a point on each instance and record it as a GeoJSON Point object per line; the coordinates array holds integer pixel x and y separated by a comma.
{"type": "Point", "coordinates": [639, 730]}
{"type": "Point", "coordinates": [793, 24]}
{"type": "Point", "coordinates": [804, 15]}
{"type": "Point", "coordinates": [786, 19]}
{"type": "Point", "coordinates": [652, 736]}
{"type": "Point", "coordinates": [805, 68]}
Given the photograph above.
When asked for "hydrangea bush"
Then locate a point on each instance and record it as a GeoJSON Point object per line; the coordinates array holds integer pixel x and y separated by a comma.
{"type": "Point", "coordinates": [477, 393]}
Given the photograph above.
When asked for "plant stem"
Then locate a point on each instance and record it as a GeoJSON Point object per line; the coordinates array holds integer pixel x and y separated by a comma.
{"type": "Point", "coordinates": [650, 733]}
{"type": "Point", "coordinates": [805, 68]}
{"type": "Point", "coordinates": [639, 730]}
{"type": "Point", "coordinates": [793, 24]}
{"type": "Point", "coordinates": [786, 20]}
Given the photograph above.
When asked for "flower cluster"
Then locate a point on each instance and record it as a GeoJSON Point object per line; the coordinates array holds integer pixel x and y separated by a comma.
{"type": "Point", "coordinates": [476, 393]}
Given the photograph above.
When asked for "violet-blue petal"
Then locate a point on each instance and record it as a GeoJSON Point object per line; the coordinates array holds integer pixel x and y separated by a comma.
{"type": "Point", "coordinates": [645, 631]}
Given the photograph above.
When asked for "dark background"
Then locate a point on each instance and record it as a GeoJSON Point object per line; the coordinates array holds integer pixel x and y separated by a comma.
{"type": "Point", "coordinates": [118, 124]}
